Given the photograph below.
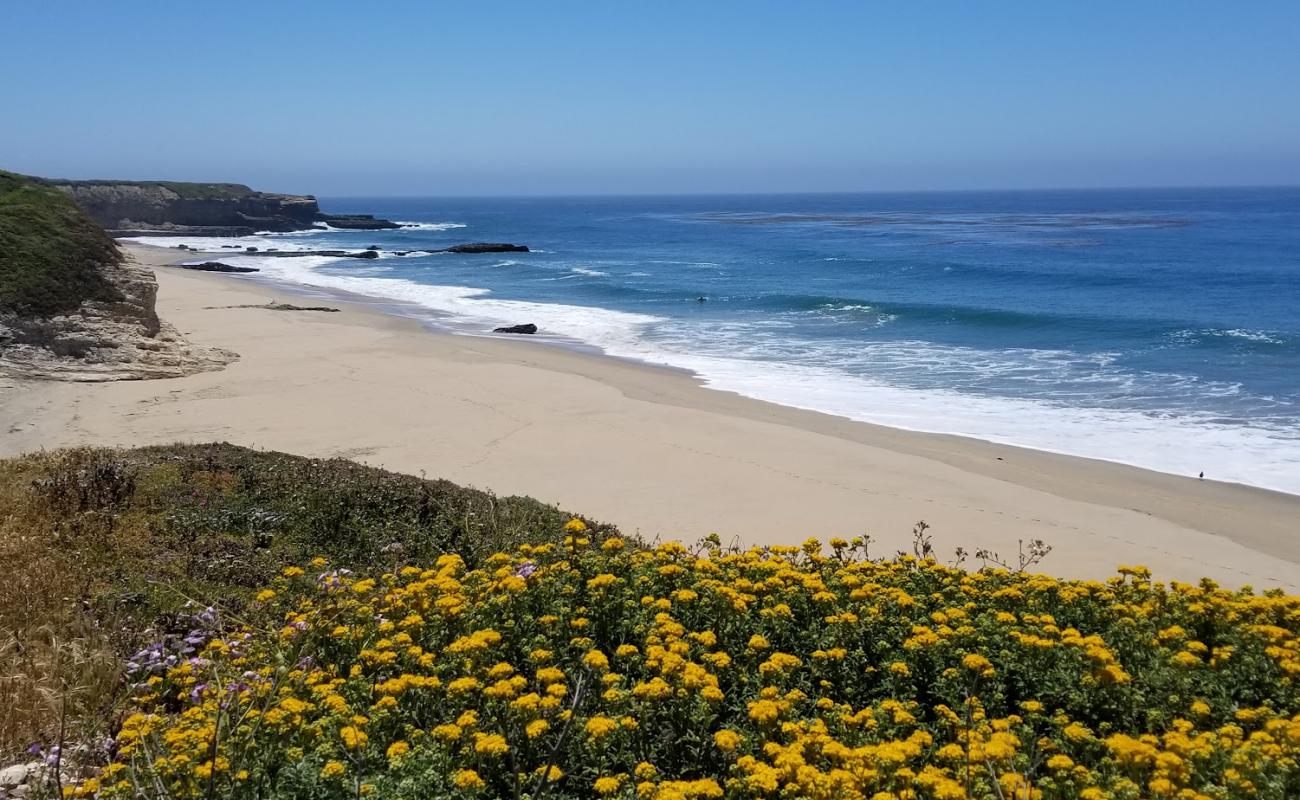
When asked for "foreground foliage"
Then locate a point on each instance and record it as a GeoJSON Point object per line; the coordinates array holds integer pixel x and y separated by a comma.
{"type": "Point", "coordinates": [595, 668]}
{"type": "Point", "coordinates": [105, 551]}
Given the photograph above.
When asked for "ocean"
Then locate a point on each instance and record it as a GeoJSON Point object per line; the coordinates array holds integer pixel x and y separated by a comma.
{"type": "Point", "coordinates": [1159, 328]}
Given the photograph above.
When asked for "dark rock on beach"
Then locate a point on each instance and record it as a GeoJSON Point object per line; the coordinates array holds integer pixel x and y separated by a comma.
{"type": "Point", "coordinates": [217, 266]}
{"type": "Point", "coordinates": [528, 328]}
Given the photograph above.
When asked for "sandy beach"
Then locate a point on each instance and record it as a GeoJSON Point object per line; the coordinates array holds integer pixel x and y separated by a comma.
{"type": "Point", "coordinates": [646, 448]}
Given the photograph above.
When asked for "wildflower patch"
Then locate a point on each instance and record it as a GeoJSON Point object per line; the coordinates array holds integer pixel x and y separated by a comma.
{"type": "Point", "coordinates": [597, 668]}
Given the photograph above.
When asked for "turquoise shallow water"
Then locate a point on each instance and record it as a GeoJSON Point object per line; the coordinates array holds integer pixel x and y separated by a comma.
{"type": "Point", "coordinates": [1159, 328]}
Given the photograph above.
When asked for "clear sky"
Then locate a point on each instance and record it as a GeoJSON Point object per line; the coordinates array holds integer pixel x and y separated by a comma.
{"type": "Point", "coordinates": [557, 97]}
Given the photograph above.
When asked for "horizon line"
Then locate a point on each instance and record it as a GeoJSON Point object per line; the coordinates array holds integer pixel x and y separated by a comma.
{"type": "Point", "coordinates": [585, 195]}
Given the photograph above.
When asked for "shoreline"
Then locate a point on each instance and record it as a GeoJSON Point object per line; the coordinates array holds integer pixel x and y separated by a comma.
{"type": "Point", "coordinates": [648, 448]}
{"type": "Point", "coordinates": [1253, 453]}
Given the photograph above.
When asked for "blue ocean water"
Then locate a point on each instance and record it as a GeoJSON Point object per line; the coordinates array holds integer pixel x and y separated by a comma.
{"type": "Point", "coordinates": [1158, 327]}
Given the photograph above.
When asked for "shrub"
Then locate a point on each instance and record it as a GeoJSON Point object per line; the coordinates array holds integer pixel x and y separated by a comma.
{"type": "Point", "coordinates": [597, 668]}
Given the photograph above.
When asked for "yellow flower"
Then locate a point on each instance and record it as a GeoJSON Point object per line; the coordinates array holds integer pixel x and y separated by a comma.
{"type": "Point", "coordinates": [606, 785]}
{"type": "Point", "coordinates": [467, 779]}
{"type": "Point", "coordinates": [575, 525]}
{"type": "Point", "coordinates": [899, 668]}
{"type": "Point", "coordinates": [398, 749]}
{"type": "Point", "coordinates": [978, 664]}
{"type": "Point", "coordinates": [602, 580]}
{"type": "Point", "coordinates": [332, 769]}
{"type": "Point", "coordinates": [600, 727]}
{"type": "Point", "coordinates": [536, 728]}
{"type": "Point", "coordinates": [353, 738]}
{"type": "Point", "coordinates": [726, 740]}
{"type": "Point", "coordinates": [1060, 762]}
{"type": "Point", "coordinates": [764, 711]}
{"type": "Point", "coordinates": [490, 744]}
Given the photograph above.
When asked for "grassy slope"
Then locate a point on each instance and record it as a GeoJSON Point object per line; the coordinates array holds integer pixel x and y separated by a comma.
{"type": "Point", "coordinates": [101, 547]}
{"type": "Point", "coordinates": [50, 252]}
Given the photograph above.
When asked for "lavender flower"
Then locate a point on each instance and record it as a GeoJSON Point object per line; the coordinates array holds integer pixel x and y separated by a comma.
{"type": "Point", "coordinates": [525, 570]}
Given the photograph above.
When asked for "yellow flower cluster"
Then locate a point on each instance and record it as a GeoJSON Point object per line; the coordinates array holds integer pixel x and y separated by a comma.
{"type": "Point", "coordinates": [595, 668]}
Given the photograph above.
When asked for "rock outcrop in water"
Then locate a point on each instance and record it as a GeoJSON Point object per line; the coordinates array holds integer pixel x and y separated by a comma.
{"type": "Point", "coordinates": [484, 247]}
{"type": "Point", "coordinates": [71, 306]}
{"type": "Point", "coordinates": [177, 208]}
{"type": "Point", "coordinates": [528, 328]}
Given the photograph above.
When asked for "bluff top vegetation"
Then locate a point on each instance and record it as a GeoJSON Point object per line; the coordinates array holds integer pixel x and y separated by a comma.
{"type": "Point", "coordinates": [388, 637]}
{"type": "Point", "coordinates": [106, 549]}
{"type": "Point", "coordinates": [51, 254]}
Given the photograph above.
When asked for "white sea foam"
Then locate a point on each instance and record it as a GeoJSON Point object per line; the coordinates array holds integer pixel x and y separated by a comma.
{"type": "Point", "coordinates": [1253, 336]}
{"type": "Point", "coordinates": [216, 244]}
{"type": "Point", "coordinates": [477, 308]}
{"type": "Point", "coordinates": [1179, 445]}
{"type": "Point", "coordinates": [593, 273]}
{"type": "Point", "coordinates": [430, 226]}
{"type": "Point", "coordinates": [1193, 335]}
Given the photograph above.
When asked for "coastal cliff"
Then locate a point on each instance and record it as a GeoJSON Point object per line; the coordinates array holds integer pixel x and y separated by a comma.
{"type": "Point", "coordinates": [128, 208]}
{"type": "Point", "coordinates": [72, 307]}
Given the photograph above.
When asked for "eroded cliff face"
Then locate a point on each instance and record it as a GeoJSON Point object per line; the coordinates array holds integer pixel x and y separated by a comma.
{"type": "Point", "coordinates": [72, 307]}
{"type": "Point", "coordinates": [129, 206]}
{"type": "Point", "coordinates": [104, 340]}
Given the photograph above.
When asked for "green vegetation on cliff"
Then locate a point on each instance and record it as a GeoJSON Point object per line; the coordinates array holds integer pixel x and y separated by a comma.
{"type": "Point", "coordinates": [186, 190]}
{"type": "Point", "coordinates": [51, 253]}
{"type": "Point", "coordinates": [103, 548]}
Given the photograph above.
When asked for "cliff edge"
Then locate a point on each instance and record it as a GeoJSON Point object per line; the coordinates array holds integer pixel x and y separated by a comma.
{"type": "Point", "coordinates": [72, 307]}
{"type": "Point", "coordinates": [133, 208]}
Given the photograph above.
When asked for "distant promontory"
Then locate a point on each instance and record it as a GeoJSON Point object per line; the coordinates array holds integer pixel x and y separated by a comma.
{"type": "Point", "coordinates": [180, 208]}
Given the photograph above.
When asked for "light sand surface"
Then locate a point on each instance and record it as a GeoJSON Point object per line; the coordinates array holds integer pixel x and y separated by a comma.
{"type": "Point", "coordinates": [645, 448]}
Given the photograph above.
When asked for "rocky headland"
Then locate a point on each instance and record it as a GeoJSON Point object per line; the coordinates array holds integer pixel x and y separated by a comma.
{"type": "Point", "coordinates": [179, 208]}
{"type": "Point", "coordinates": [72, 306]}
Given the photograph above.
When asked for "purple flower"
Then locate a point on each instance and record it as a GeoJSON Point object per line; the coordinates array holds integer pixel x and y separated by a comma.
{"type": "Point", "coordinates": [525, 570]}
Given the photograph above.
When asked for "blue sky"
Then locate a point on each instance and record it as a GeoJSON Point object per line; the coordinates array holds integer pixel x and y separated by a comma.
{"type": "Point", "coordinates": [425, 98]}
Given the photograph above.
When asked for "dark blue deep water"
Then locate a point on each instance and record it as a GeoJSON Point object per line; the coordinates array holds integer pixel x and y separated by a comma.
{"type": "Point", "coordinates": [1155, 327]}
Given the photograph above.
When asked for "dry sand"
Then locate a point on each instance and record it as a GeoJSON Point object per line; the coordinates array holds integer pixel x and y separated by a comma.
{"type": "Point", "coordinates": [642, 447]}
